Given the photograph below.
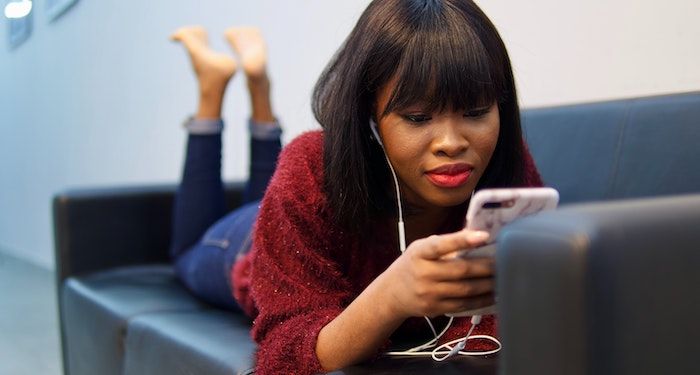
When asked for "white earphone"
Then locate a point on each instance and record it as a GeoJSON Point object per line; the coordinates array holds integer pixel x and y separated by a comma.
{"type": "Point", "coordinates": [402, 230]}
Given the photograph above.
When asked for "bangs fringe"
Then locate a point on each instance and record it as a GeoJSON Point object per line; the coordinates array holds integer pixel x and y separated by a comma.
{"type": "Point", "coordinates": [444, 66]}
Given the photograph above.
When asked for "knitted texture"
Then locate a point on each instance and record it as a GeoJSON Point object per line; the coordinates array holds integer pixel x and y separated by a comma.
{"type": "Point", "coordinates": [303, 270]}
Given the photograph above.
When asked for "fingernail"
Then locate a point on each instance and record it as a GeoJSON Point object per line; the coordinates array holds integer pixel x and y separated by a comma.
{"type": "Point", "coordinates": [480, 236]}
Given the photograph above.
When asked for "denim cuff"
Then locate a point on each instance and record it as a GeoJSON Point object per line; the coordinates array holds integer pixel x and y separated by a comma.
{"type": "Point", "coordinates": [199, 126]}
{"type": "Point", "coordinates": [264, 131]}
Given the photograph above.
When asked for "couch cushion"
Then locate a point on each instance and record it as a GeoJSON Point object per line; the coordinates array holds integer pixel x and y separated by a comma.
{"type": "Point", "coordinates": [660, 148]}
{"type": "Point", "coordinates": [575, 147]}
{"type": "Point", "coordinates": [98, 307]}
{"type": "Point", "coordinates": [209, 342]}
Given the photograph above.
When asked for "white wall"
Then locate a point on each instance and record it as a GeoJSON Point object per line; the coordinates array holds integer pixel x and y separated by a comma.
{"type": "Point", "coordinates": [97, 97]}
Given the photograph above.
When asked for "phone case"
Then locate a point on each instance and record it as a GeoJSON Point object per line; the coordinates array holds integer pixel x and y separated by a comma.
{"type": "Point", "coordinates": [491, 209]}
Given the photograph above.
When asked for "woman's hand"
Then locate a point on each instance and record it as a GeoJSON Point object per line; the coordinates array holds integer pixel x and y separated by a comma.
{"type": "Point", "coordinates": [429, 279]}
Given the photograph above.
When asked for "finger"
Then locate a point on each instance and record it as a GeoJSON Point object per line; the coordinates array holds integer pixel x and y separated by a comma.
{"type": "Point", "coordinates": [465, 289]}
{"type": "Point", "coordinates": [457, 305]}
{"type": "Point", "coordinates": [460, 269]}
{"type": "Point", "coordinates": [437, 246]}
{"type": "Point", "coordinates": [486, 251]}
{"type": "Point", "coordinates": [477, 302]}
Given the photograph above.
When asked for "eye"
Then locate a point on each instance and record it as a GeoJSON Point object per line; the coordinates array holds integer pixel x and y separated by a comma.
{"type": "Point", "coordinates": [477, 113]}
{"type": "Point", "coordinates": [416, 118]}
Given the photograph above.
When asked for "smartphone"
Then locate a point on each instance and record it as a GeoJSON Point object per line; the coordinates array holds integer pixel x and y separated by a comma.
{"type": "Point", "coordinates": [492, 209]}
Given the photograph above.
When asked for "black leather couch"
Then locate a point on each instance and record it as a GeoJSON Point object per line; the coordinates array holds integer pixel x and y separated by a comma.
{"type": "Point", "coordinates": [605, 285]}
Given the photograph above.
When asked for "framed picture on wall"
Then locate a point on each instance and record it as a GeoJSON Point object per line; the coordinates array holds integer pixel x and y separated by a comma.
{"type": "Point", "coordinates": [55, 8]}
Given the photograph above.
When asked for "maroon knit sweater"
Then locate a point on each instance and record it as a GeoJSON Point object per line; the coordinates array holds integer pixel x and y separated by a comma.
{"type": "Point", "coordinates": [303, 270]}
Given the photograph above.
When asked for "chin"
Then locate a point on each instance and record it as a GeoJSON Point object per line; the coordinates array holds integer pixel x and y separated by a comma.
{"type": "Point", "coordinates": [428, 196]}
{"type": "Point", "coordinates": [451, 202]}
{"type": "Point", "coordinates": [450, 198]}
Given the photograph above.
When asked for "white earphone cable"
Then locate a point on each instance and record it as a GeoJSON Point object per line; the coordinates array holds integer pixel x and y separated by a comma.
{"type": "Point", "coordinates": [402, 230]}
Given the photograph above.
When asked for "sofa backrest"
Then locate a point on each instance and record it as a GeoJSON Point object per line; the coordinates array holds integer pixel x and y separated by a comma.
{"type": "Point", "coordinates": [618, 149]}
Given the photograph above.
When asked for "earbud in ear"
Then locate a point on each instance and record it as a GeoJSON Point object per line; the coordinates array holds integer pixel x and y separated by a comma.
{"type": "Point", "coordinates": [373, 127]}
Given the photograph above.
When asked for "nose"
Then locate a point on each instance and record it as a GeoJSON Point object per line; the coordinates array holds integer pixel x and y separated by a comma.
{"type": "Point", "coordinates": [449, 140]}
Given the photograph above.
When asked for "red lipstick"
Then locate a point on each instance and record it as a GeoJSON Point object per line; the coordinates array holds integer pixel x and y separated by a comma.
{"type": "Point", "coordinates": [450, 175]}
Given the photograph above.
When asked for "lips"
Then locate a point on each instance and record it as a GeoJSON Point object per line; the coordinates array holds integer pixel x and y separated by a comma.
{"type": "Point", "coordinates": [450, 175]}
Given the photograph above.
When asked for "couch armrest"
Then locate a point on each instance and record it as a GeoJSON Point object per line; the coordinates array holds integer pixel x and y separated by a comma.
{"type": "Point", "coordinates": [606, 288]}
{"type": "Point", "coordinates": [96, 229]}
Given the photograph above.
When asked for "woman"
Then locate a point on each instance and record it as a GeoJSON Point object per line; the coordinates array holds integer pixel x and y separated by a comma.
{"type": "Point", "coordinates": [325, 279]}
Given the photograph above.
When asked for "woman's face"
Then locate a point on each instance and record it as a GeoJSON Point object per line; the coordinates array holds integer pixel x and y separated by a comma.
{"type": "Point", "coordinates": [438, 157]}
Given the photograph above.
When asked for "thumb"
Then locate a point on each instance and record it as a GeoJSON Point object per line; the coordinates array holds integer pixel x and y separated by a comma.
{"type": "Point", "coordinates": [438, 246]}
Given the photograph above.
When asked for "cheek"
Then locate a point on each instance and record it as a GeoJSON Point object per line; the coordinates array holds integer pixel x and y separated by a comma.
{"type": "Point", "coordinates": [405, 160]}
{"type": "Point", "coordinates": [487, 140]}
{"type": "Point", "coordinates": [406, 149]}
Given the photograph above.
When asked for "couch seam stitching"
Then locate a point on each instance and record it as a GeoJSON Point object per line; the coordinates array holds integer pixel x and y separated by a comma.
{"type": "Point", "coordinates": [618, 150]}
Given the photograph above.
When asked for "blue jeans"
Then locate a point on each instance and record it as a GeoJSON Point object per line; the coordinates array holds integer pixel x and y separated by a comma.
{"type": "Point", "coordinates": [206, 241]}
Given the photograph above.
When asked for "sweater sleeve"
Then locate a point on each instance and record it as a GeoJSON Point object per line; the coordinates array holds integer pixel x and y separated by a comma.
{"type": "Point", "coordinates": [297, 281]}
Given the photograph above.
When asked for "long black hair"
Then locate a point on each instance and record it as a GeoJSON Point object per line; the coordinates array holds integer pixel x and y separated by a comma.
{"type": "Point", "coordinates": [442, 54]}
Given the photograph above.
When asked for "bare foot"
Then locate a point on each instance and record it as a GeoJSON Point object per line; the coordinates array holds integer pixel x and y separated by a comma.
{"type": "Point", "coordinates": [249, 44]}
{"type": "Point", "coordinates": [213, 69]}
